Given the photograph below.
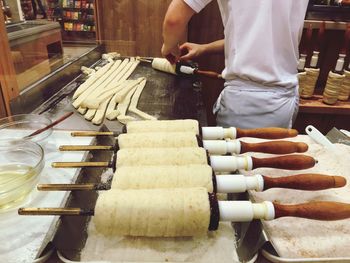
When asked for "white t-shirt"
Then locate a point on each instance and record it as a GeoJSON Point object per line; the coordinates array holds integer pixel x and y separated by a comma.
{"type": "Point", "coordinates": [261, 39]}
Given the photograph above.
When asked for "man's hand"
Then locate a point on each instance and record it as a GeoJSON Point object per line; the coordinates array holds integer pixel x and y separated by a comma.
{"type": "Point", "coordinates": [191, 51]}
{"type": "Point", "coordinates": [171, 54]}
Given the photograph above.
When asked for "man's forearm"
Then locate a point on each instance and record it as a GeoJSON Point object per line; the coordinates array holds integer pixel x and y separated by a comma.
{"type": "Point", "coordinates": [175, 22]}
{"type": "Point", "coordinates": [215, 47]}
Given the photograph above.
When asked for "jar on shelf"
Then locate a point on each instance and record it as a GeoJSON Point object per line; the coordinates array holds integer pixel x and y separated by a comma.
{"type": "Point", "coordinates": [345, 87]}
{"type": "Point", "coordinates": [332, 89]}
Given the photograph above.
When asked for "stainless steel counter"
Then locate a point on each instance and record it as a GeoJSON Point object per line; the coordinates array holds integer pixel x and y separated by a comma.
{"type": "Point", "coordinates": [22, 32]}
{"type": "Point", "coordinates": [165, 96]}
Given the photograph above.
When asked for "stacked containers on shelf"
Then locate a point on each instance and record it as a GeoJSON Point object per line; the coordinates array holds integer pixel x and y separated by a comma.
{"type": "Point", "coordinates": [302, 62]}
{"type": "Point", "coordinates": [345, 87]}
{"type": "Point", "coordinates": [334, 82]}
{"type": "Point", "coordinates": [301, 73]}
{"type": "Point", "coordinates": [313, 71]}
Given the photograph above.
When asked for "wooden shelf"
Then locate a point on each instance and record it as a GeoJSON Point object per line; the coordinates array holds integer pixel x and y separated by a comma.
{"type": "Point", "coordinates": [78, 8]}
{"type": "Point", "coordinates": [315, 105]}
{"type": "Point", "coordinates": [82, 20]}
{"type": "Point", "coordinates": [79, 31]}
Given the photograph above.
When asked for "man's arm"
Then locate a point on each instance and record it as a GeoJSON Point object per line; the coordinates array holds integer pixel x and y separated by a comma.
{"type": "Point", "coordinates": [196, 50]}
{"type": "Point", "coordinates": [174, 27]}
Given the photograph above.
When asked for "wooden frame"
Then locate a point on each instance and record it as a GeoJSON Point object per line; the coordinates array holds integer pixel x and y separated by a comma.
{"type": "Point", "coordinates": [8, 81]}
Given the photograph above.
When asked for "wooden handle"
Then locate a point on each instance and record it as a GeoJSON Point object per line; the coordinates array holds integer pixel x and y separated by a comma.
{"type": "Point", "coordinates": [267, 133]}
{"type": "Point", "coordinates": [210, 74]}
{"type": "Point", "coordinates": [309, 182]}
{"type": "Point", "coordinates": [51, 125]}
{"type": "Point", "coordinates": [68, 148]}
{"type": "Point", "coordinates": [79, 164]}
{"type": "Point", "coordinates": [314, 210]}
{"type": "Point", "coordinates": [91, 133]}
{"type": "Point", "coordinates": [72, 187]}
{"type": "Point", "coordinates": [288, 162]}
{"type": "Point", "coordinates": [275, 147]}
{"type": "Point", "coordinates": [55, 212]}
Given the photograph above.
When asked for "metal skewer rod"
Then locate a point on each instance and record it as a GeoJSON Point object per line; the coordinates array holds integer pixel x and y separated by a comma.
{"type": "Point", "coordinates": [234, 183]}
{"type": "Point", "coordinates": [231, 211]}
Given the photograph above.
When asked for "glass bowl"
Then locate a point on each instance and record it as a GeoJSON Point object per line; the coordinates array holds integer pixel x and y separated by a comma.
{"type": "Point", "coordinates": [19, 126]}
{"type": "Point", "coordinates": [21, 162]}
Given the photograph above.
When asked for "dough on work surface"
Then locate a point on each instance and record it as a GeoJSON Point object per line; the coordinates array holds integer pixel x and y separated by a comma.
{"type": "Point", "coordinates": [91, 80]}
{"type": "Point", "coordinates": [134, 101]}
{"type": "Point", "coordinates": [157, 140]}
{"type": "Point", "coordinates": [163, 176]}
{"type": "Point", "coordinates": [186, 125]}
{"type": "Point", "coordinates": [164, 65]}
{"type": "Point", "coordinates": [153, 212]}
{"type": "Point", "coordinates": [161, 156]}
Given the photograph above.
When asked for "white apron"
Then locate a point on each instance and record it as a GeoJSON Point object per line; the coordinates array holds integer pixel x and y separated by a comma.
{"type": "Point", "coordinates": [246, 104]}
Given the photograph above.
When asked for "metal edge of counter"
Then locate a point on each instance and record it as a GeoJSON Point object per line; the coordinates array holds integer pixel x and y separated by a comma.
{"type": "Point", "coordinates": [41, 27]}
{"type": "Point", "coordinates": [40, 91]}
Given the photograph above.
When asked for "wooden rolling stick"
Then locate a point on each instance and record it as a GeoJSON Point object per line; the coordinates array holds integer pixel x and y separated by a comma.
{"type": "Point", "coordinates": [234, 183]}
{"type": "Point", "coordinates": [322, 210]}
{"type": "Point", "coordinates": [212, 210]}
{"type": "Point", "coordinates": [236, 211]}
{"type": "Point", "coordinates": [207, 133]}
{"type": "Point", "coordinates": [188, 139]}
{"type": "Point", "coordinates": [189, 156]}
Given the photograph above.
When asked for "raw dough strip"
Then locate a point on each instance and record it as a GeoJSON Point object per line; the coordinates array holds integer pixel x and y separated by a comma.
{"type": "Point", "coordinates": [186, 125]}
{"type": "Point", "coordinates": [120, 90]}
{"type": "Point", "coordinates": [123, 107]}
{"type": "Point", "coordinates": [85, 93]}
{"type": "Point", "coordinates": [153, 212]}
{"type": "Point", "coordinates": [89, 115]}
{"type": "Point", "coordinates": [82, 110]}
{"type": "Point", "coordinates": [124, 104]}
{"type": "Point", "coordinates": [164, 176]}
{"type": "Point", "coordinates": [100, 112]}
{"type": "Point", "coordinates": [92, 87]}
{"type": "Point", "coordinates": [134, 101]}
{"type": "Point", "coordinates": [95, 103]}
{"type": "Point", "coordinates": [112, 84]}
{"type": "Point", "coordinates": [161, 156]}
{"type": "Point", "coordinates": [91, 80]}
{"type": "Point", "coordinates": [96, 90]}
{"type": "Point", "coordinates": [157, 140]}
{"type": "Point", "coordinates": [103, 107]}
{"type": "Point", "coordinates": [126, 73]}
{"type": "Point", "coordinates": [111, 112]}
{"type": "Point", "coordinates": [120, 96]}
{"type": "Point", "coordinates": [87, 71]}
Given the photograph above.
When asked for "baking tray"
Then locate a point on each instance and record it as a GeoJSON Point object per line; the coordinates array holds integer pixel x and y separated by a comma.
{"type": "Point", "coordinates": [252, 238]}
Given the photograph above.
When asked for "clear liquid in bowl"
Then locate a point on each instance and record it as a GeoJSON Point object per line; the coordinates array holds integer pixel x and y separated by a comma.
{"type": "Point", "coordinates": [16, 182]}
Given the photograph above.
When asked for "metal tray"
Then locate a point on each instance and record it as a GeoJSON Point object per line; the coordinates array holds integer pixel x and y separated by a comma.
{"type": "Point", "coordinates": [252, 238]}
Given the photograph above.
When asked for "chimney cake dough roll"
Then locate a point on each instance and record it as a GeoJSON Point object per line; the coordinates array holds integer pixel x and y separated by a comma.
{"type": "Point", "coordinates": [165, 176]}
{"type": "Point", "coordinates": [157, 140]}
{"type": "Point", "coordinates": [161, 156]}
{"type": "Point", "coordinates": [163, 126]}
{"type": "Point", "coordinates": [162, 64]}
{"type": "Point", "coordinates": [153, 212]}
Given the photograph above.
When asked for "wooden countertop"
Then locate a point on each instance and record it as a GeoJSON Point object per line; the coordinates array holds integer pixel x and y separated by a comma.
{"type": "Point", "coordinates": [315, 105]}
